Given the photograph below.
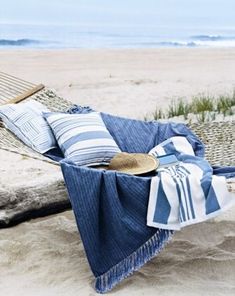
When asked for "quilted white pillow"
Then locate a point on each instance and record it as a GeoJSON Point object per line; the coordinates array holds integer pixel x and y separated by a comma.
{"type": "Point", "coordinates": [25, 120]}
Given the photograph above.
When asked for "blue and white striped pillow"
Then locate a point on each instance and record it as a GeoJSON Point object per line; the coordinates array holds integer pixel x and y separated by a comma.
{"type": "Point", "coordinates": [83, 138]}
{"type": "Point", "coordinates": [26, 121]}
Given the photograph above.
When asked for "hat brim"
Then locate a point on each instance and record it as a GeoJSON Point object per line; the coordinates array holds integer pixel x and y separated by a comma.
{"type": "Point", "coordinates": [146, 164]}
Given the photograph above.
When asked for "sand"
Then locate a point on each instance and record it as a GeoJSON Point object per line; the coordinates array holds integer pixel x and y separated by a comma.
{"type": "Point", "coordinates": [126, 82]}
{"type": "Point", "coordinates": [45, 256]}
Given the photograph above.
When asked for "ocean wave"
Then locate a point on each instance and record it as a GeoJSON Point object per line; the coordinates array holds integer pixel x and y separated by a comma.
{"type": "Point", "coordinates": [18, 42]}
{"type": "Point", "coordinates": [202, 41]}
{"type": "Point", "coordinates": [165, 44]}
{"type": "Point", "coordinates": [177, 44]}
{"type": "Point", "coordinates": [123, 42]}
{"type": "Point", "coordinates": [212, 37]}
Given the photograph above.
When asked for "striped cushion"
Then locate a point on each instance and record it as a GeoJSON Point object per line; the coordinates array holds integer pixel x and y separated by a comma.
{"type": "Point", "coordinates": [83, 138]}
{"type": "Point", "coordinates": [26, 121]}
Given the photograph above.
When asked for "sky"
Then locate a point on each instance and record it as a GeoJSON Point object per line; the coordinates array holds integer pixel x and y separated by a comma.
{"type": "Point", "coordinates": [133, 12]}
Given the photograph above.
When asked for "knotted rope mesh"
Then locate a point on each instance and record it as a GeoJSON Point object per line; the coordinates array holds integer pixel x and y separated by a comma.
{"type": "Point", "coordinates": [219, 137]}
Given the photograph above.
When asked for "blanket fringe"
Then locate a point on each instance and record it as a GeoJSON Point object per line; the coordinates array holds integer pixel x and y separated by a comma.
{"type": "Point", "coordinates": [126, 267]}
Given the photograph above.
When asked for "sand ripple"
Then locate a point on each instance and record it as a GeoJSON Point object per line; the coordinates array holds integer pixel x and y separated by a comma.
{"type": "Point", "coordinates": [46, 257]}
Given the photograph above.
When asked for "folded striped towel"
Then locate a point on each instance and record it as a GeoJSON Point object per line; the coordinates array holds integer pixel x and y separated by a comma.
{"type": "Point", "coordinates": [186, 193]}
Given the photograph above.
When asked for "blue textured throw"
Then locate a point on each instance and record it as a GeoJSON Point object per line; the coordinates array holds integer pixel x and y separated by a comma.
{"type": "Point", "coordinates": [111, 207]}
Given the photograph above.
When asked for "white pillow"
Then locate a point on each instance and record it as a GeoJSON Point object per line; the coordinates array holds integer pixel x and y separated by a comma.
{"type": "Point", "coordinates": [83, 138]}
{"type": "Point", "coordinates": [26, 121]}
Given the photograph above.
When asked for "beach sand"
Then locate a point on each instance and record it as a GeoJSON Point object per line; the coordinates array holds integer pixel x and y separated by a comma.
{"type": "Point", "coordinates": [45, 257]}
{"type": "Point", "coordinates": [126, 82]}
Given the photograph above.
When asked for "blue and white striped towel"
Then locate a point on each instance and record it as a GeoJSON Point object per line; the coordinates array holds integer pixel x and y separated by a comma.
{"type": "Point", "coordinates": [186, 193]}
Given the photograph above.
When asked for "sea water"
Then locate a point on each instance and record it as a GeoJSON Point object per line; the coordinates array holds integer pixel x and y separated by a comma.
{"type": "Point", "coordinates": [117, 24]}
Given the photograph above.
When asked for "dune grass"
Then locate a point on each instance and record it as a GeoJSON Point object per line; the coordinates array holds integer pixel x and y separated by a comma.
{"type": "Point", "coordinates": [205, 108]}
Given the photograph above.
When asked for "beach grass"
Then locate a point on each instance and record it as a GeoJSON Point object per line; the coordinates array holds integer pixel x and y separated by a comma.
{"type": "Point", "coordinates": [202, 107]}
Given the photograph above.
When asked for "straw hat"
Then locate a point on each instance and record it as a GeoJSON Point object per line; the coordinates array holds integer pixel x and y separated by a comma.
{"type": "Point", "coordinates": [133, 163]}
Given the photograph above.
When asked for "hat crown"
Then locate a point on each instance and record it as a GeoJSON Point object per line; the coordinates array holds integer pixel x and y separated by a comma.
{"type": "Point", "coordinates": [124, 160]}
{"type": "Point", "coordinates": [133, 163]}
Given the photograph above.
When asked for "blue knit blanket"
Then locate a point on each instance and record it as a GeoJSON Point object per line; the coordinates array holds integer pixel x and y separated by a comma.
{"type": "Point", "coordinates": [111, 207]}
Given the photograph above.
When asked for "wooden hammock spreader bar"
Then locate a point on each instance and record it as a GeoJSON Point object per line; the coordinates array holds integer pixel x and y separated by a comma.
{"type": "Point", "coordinates": [26, 94]}
{"type": "Point", "coordinates": [14, 90]}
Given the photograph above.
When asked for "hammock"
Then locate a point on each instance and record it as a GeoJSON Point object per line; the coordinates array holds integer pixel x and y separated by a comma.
{"type": "Point", "coordinates": [218, 137]}
{"type": "Point", "coordinates": [15, 90]}
{"type": "Point", "coordinates": [140, 245]}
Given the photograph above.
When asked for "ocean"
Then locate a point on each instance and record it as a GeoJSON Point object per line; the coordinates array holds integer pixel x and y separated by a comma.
{"type": "Point", "coordinates": [112, 24]}
{"type": "Point", "coordinates": [80, 36]}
